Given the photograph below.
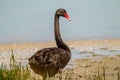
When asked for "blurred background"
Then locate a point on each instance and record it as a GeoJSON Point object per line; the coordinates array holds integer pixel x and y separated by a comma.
{"type": "Point", "coordinates": [33, 20]}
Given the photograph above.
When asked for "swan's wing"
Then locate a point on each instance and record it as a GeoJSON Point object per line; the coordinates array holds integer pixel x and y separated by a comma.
{"type": "Point", "coordinates": [50, 57]}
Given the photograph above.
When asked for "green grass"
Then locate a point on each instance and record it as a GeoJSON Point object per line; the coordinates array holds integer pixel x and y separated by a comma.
{"type": "Point", "coordinates": [16, 71]}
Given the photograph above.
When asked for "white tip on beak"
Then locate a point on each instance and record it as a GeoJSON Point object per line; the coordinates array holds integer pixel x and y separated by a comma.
{"type": "Point", "coordinates": [69, 19]}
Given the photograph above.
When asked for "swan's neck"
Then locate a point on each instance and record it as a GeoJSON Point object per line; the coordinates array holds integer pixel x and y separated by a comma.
{"type": "Point", "coordinates": [58, 38]}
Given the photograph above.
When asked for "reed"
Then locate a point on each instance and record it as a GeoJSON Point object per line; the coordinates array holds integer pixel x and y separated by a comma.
{"type": "Point", "coordinates": [118, 74]}
{"type": "Point", "coordinates": [15, 71]}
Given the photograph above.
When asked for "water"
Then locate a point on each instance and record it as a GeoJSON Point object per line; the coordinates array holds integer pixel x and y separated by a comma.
{"type": "Point", "coordinates": [23, 55]}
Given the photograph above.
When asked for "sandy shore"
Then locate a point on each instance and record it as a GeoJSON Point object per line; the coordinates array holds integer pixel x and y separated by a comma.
{"type": "Point", "coordinates": [85, 43]}
{"type": "Point", "coordinates": [82, 67]}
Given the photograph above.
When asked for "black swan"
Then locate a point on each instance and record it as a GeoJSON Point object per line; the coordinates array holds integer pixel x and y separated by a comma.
{"type": "Point", "coordinates": [49, 61]}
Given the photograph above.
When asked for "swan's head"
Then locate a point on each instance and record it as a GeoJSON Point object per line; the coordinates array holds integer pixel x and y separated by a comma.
{"type": "Point", "coordinates": [62, 12]}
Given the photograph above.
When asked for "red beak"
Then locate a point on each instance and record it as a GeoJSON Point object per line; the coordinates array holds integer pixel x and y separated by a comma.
{"type": "Point", "coordinates": [67, 17]}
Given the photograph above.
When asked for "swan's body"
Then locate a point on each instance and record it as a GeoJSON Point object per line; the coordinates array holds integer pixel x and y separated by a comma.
{"type": "Point", "coordinates": [49, 61]}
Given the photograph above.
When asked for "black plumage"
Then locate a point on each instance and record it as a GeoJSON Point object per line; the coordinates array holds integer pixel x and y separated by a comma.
{"type": "Point", "coordinates": [49, 61]}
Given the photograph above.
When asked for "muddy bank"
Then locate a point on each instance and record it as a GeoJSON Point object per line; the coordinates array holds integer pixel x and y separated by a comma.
{"type": "Point", "coordinates": [91, 66]}
{"type": "Point", "coordinates": [89, 57]}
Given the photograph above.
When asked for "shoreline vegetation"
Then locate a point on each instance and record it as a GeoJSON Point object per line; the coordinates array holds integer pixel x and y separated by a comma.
{"type": "Point", "coordinates": [98, 68]}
